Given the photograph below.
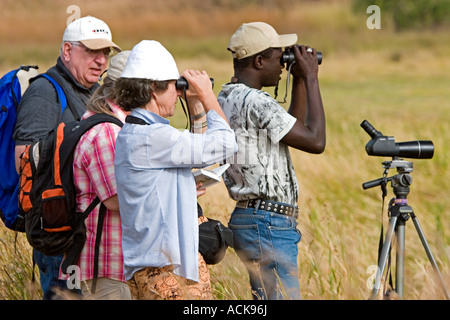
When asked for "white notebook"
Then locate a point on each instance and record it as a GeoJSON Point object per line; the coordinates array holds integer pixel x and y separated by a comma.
{"type": "Point", "coordinates": [209, 177]}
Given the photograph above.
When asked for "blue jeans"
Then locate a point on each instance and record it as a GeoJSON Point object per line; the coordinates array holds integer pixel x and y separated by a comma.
{"type": "Point", "coordinates": [267, 244]}
{"type": "Point", "coordinates": [49, 272]}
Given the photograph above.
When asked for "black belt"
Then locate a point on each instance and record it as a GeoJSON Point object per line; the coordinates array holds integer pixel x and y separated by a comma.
{"type": "Point", "coordinates": [268, 205]}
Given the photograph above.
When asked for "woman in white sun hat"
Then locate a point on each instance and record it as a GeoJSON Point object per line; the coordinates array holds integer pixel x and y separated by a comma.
{"type": "Point", "coordinates": [156, 188]}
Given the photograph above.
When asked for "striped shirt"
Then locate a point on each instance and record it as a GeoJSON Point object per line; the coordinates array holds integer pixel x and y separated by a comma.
{"type": "Point", "coordinates": [94, 175]}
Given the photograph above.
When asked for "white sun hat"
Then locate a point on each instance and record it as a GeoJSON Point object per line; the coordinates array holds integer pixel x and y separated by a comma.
{"type": "Point", "coordinates": [150, 60]}
{"type": "Point", "coordinates": [91, 32]}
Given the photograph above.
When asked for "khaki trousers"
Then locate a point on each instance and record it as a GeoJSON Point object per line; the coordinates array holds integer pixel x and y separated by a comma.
{"type": "Point", "coordinates": [106, 289]}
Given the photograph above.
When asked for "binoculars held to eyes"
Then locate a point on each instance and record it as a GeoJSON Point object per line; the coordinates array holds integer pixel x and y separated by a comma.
{"type": "Point", "coordinates": [288, 57]}
{"type": "Point", "coordinates": [182, 83]}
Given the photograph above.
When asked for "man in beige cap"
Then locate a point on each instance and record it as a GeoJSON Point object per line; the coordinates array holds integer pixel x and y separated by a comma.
{"type": "Point", "coordinates": [261, 177]}
{"type": "Point", "coordinates": [84, 55]}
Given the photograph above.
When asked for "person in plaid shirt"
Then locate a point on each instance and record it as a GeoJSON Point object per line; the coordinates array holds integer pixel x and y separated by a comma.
{"type": "Point", "coordinates": [84, 55]}
{"type": "Point", "coordinates": [93, 170]}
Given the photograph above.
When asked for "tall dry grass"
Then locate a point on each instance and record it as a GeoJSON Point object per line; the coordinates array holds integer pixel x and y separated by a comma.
{"type": "Point", "coordinates": [399, 82]}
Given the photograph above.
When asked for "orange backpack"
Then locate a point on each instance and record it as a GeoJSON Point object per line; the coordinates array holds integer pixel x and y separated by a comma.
{"type": "Point", "coordinates": [47, 194]}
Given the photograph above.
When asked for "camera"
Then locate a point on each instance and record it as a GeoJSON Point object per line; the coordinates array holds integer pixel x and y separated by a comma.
{"type": "Point", "coordinates": [383, 146]}
{"type": "Point", "coordinates": [288, 57]}
{"type": "Point", "coordinates": [182, 83]}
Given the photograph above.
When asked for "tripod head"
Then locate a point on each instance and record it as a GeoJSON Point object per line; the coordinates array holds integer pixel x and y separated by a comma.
{"type": "Point", "coordinates": [400, 182]}
{"type": "Point", "coordinates": [381, 145]}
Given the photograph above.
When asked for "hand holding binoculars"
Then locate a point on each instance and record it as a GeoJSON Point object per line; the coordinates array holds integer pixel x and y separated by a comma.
{"type": "Point", "coordinates": [288, 57]}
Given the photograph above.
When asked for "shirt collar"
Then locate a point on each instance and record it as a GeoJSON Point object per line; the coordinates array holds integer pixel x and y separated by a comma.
{"type": "Point", "coordinates": [148, 116]}
{"type": "Point", "coordinates": [118, 112]}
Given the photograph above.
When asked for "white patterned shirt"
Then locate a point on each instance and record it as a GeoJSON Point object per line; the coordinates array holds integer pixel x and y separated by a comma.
{"type": "Point", "coordinates": [262, 168]}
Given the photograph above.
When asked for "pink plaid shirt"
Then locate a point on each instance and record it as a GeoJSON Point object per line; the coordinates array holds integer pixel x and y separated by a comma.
{"type": "Point", "coordinates": [93, 171]}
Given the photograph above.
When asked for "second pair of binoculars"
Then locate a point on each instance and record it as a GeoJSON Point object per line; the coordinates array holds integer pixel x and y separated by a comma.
{"type": "Point", "coordinates": [288, 56]}
{"type": "Point", "coordinates": [182, 83]}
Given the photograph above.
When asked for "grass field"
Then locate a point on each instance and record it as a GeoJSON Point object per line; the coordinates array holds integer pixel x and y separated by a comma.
{"type": "Point", "coordinates": [397, 81]}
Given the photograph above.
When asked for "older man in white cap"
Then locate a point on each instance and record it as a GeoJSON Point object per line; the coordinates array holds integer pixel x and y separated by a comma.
{"type": "Point", "coordinates": [262, 178]}
{"type": "Point", "coordinates": [84, 55]}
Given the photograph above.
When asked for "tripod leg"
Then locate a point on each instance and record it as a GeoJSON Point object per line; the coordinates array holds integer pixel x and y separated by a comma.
{"type": "Point", "coordinates": [400, 257]}
{"type": "Point", "coordinates": [384, 256]}
{"type": "Point", "coordinates": [430, 255]}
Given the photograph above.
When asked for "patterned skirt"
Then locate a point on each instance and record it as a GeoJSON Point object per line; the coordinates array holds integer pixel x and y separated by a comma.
{"type": "Point", "coordinates": [154, 283]}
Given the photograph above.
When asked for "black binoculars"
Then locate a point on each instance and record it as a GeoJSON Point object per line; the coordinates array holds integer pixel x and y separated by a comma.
{"type": "Point", "coordinates": [288, 57]}
{"type": "Point", "coordinates": [182, 83]}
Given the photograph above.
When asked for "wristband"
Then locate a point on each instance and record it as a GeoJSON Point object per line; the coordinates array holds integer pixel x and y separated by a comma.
{"type": "Point", "coordinates": [200, 125]}
{"type": "Point", "coordinates": [198, 116]}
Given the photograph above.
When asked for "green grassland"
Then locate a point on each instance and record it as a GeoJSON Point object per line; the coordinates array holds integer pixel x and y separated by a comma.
{"type": "Point", "coordinates": [397, 81]}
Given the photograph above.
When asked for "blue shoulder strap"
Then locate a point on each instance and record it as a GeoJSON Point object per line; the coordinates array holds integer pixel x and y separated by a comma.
{"type": "Point", "coordinates": [61, 95]}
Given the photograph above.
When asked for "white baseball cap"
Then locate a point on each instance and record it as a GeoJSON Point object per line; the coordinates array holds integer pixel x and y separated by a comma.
{"type": "Point", "coordinates": [150, 60]}
{"type": "Point", "coordinates": [254, 37]}
{"type": "Point", "coordinates": [91, 32]}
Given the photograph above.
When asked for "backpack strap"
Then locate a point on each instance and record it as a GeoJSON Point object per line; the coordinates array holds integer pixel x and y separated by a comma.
{"type": "Point", "coordinates": [59, 90]}
{"type": "Point", "coordinates": [135, 120]}
{"type": "Point", "coordinates": [73, 254]}
{"type": "Point", "coordinates": [98, 237]}
{"type": "Point", "coordinates": [61, 96]}
{"type": "Point", "coordinates": [89, 209]}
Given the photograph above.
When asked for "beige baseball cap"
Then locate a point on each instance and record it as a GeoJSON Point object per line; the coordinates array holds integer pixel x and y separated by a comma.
{"type": "Point", "coordinates": [91, 32]}
{"type": "Point", "coordinates": [150, 60]}
{"type": "Point", "coordinates": [251, 38]}
{"type": "Point", "coordinates": [116, 65]}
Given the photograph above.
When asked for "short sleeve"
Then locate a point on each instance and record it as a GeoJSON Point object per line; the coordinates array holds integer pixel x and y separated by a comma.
{"type": "Point", "coordinates": [266, 113]}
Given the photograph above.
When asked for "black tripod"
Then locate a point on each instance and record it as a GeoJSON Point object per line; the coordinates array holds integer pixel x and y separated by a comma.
{"type": "Point", "coordinates": [400, 212]}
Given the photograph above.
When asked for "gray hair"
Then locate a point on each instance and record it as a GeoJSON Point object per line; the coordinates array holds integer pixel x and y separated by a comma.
{"type": "Point", "coordinates": [74, 43]}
